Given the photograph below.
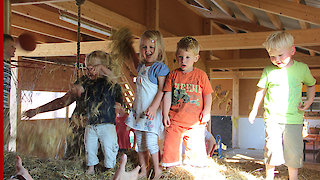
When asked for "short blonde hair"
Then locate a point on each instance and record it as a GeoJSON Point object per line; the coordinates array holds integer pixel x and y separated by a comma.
{"type": "Point", "coordinates": [101, 57]}
{"type": "Point", "coordinates": [279, 40]}
{"type": "Point", "coordinates": [188, 43]}
{"type": "Point", "coordinates": [159, 45]}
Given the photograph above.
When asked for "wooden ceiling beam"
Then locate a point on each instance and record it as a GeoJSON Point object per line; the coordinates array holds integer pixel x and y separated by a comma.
{"type": "Point", "coordinates": [42, 28]}
{"type": "Point", "coordinates": [275, 20]}
{"type": "Point", "coordinates": [103, 16]}
{"type": "Point", "coordinates": [254, 63]}
{"type": "Point", "coordinates": [285, 8]}
{"type": "Point", "coordinates": [29, 2]}
{"type": "Point", "coordinates": [247, 74]}
{"type": "Point", "coordinates": [248, 13]}
{"type": "Point", "coordinates": [254, 40]}
{"type": "Point", "coordinates": [41, 14]}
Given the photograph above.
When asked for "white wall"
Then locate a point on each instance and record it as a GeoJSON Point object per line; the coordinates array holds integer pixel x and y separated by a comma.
{"type": "Point", "coordinates": [251, 135]}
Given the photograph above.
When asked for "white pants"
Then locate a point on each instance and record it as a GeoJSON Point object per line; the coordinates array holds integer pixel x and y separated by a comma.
{"type": "Point", "coordinates": [147, 141]}
{"type": "Point", "coordinates": [107, 135]}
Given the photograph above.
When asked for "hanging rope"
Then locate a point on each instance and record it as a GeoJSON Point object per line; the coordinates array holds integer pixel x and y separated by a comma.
{"type": "Point", "coordinates": [78, 3]}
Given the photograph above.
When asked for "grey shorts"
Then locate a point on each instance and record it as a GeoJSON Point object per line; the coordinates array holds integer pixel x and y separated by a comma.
{"type": "Point", "coordinates": [284, 144]}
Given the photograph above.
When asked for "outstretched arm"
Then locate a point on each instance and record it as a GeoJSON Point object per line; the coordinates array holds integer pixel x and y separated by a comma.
{"type": "Point", "coordinates": [152, 109]}
{"type": "Point", "coordinates": [56, 104]}
{"type": "Point", "coordinates": [258, 99]}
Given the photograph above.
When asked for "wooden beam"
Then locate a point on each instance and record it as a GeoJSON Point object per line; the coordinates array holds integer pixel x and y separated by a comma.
{"type": "Point", "coordinates": [152, 14]}
{"type": "Point", "coordinates": [42, 28]}
{"type": "Point", "coordinates": [285, 8]}
{"type": "Point", "coordinates": [49, 17]}
{"type": "Point", "coordinates": [308, 37]}
{"type": "Point", "coordinates": [29, 2]}
{"type": "Point", "coordinates": [205, 4]}
{"type": "Point", "coordinates": [223, 7]}
{"type": "Point", "coordinates": [230, 21]}
{"type": "Point", "coordinates": [240, 74]}
{"type": "Point", "coordinates": [275, 20]}
{"type": "Point", "coordinates": [248, 13]}
{"type": "Point", "coordinates": [105, 17]}
{"type": "Point", "coordinates": [254, 63]}
{"type": "Point", "coordinates": [247, 74]}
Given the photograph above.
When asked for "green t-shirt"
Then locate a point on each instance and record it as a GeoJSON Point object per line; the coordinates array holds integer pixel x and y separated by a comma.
{"type": "Point", "coordinates": [284, 89]}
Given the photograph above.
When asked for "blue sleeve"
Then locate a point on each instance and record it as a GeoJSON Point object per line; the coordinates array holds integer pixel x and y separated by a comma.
{"type": "Point", "coordinates": [157, 69]}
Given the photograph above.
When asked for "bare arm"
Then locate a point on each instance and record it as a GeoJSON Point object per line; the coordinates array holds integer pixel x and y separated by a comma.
{"type": "Point", "coordinates": [152, 109]}
{"type": "Point", "coordinates": [56, 104]}
{"type": "Point", "coordinates": [258, 99]}
{"type": "Point", "coordinates": [166, 107]}
{"type": "Point", "coordinates": [206, 112]}
{"type": "Point", "coordinates": [311, 91]}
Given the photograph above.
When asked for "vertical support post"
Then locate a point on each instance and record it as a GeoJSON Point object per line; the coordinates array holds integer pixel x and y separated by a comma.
{"type": "Point", "coordinates": [15, 108]}
{"type": "Point", "coordinates": [235, 108]}
{"type": "Point", "coordinates": [6, 16]}
{"type": "Point", "coordinates": [152, 14]}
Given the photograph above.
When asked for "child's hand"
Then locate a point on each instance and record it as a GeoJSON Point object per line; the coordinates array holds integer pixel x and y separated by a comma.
{"type": "Point", "coordinates": [304, 106]}
{"type": "Point", "coordinates": [76, 90]}
{"type": "Point", "coordinates": [29, 113]}
{"type": "Point", "coordinates": [101, 70]}
{"type": "Point", "coordinates": [166, 121]}
{"type": "Point", "coordinates": [151, 112]}
{"type": "Point", "coordinates": [204, 117]}
{"type": "Point", "coordinates": [252, 116]}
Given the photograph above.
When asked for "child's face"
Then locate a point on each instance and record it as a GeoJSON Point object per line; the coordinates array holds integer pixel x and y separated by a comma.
{"type": "Point", "coordinates": [9, 49]}
{"type": "Point", "coordinates": [186, 59]}
{"type": "Point", "coordinates": [282, 57]}
{"type": "Point", "coordinates": [147, 49]}
{"type": "Point", "coordinates": [91, 71]}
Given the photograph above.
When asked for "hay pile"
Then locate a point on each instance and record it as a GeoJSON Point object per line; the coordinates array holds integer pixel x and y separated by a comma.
{"type": "Point", "coordinates": [218, 169]}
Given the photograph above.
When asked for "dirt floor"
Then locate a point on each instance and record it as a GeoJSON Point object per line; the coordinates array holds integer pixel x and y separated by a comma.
{"type": "Point", "coordinates": [225, 168]}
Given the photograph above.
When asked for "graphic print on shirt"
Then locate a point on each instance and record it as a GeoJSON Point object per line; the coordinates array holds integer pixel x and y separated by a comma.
{"type": "Point", "coordinates": [180, 92]}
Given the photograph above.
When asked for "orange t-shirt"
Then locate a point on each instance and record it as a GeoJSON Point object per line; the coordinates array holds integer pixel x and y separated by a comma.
{"type": "Point", "coordinates": [187, 90]}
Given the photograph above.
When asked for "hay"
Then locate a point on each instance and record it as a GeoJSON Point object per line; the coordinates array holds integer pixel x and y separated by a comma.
{"type": "Point", "coordinates": [44, 137]}
{"type": "Point", "coordinates": [75, 170]}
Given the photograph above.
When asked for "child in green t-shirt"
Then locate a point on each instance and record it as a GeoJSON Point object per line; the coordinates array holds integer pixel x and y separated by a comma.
{"type": "Point", "coordinates": [281, 87]}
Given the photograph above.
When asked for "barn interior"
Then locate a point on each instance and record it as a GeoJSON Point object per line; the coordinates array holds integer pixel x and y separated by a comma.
{"type": "Point", "coordinates": [230, 33]}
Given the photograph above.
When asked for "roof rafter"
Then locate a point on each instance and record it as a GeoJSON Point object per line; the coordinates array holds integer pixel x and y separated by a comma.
{"type": "Point", "coordinates": [42, 28]}
{"type": "Point", "coordinates": [285, 8]}
{"type": "Point", "coordinates": [52, 18]}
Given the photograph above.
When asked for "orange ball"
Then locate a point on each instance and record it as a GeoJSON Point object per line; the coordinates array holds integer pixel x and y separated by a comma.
{"type": "Point", "coordinates": [27, 42]}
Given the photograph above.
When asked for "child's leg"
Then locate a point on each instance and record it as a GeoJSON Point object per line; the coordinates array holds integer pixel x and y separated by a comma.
{"type": "Point", "coordinates": [269, 172]}
{"type": "Point", "coordinates": [293, 173]}
{"type": "Point", "coordinates": [109, 143]}
{"type": "Point", "coordinates": [172, 146]}
{"type": "Point", "coordinates": [195, 148]}
{"type": "Point", "coordinates": [144, 163]}
{"type": "Point", "coordinates": [143, 153]}
{"type": "Point", "coordinates": [152, 144]}
{"type": "Point", "coordinates": [293, 148]}
{"type": "Point", "coordinates": [91, 143]}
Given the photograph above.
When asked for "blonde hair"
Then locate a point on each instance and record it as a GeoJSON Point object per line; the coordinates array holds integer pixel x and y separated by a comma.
{"type": "Point", "coordinates": [279, 40]}
{"type": "Point", "coordinates": [156, 36]}
{"type": "Point", "coordinates": [188, 43]}
{"type": "Point", "coordinates": [101, 57]}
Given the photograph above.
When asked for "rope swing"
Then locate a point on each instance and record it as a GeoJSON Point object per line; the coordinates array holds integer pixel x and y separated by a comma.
{"type": "Point", "coordinates": [78, 3]}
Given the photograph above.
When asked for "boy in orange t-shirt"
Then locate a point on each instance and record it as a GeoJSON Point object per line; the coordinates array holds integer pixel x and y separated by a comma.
{"type": "Point", "coordinates": [187, 105]}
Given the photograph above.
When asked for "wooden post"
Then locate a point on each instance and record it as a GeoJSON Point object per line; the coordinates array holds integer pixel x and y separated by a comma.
{"type": "Point", "coordinates": [15, 108]}
{"type": "Point", "coordinates": [152, 14]}
{"type": "Point", "coordinates": [235, 108]}
{"type": "Point", "coordinates": [6, 16]}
